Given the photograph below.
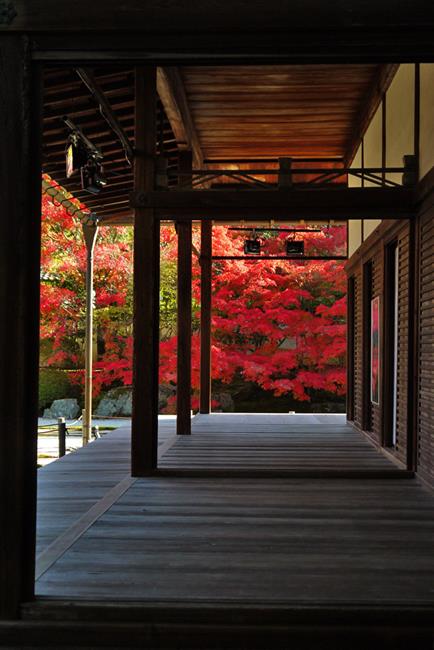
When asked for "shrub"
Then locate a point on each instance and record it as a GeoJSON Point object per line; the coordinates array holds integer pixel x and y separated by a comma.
{"type": "Point", "coordinates": [55, 384]}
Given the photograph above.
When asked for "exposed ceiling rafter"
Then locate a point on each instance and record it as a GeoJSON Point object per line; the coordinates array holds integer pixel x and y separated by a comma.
{"type": "Point", "coordinates": [106, 111]}
{"type": "Point", "coordinates": [171, 91]}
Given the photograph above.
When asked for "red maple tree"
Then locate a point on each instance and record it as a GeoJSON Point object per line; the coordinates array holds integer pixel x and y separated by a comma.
{"type": "Point", "coordinates": [277, 324]}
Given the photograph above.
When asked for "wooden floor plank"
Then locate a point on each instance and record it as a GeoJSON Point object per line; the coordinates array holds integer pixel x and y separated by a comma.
{"type": "Point", "coordinates": [255, 541]}
{"type": "Point", "coordinates": [245, 540]}
{"type": "Point", "coordinates": [300, 442]}
{"type": "Point", "coordinates": [70, 486]}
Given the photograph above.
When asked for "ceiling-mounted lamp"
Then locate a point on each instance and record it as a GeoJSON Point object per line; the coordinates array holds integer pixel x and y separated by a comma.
{"type": "Point", "coordinates": [295, 247]}
{"type": "Point", "coordinates": [92, 176]}
{"type": "Point", "coordinates": [83, 156]}
{"type": "Point", "coordinates": [252, 246]}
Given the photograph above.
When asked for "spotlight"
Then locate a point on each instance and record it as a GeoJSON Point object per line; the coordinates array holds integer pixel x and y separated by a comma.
{"type": "Point", "coordinates": [92, 176]}
{"type": "Point", "coordinates": [295, 247]}
{"type": "Point", "coordinates": [82, 155]}
{"type": "Point", "coordinates": [252, 246]}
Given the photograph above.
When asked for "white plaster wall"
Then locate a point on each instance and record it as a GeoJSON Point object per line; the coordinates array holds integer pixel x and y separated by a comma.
{"type": "Point", "coordinates": [399, 136]}
{"type": "Point", "coordinates": [373, 140]}
{"type": "Point", "coordinates": [400, 118]}
{"type": "Point", "coordinates": [355, 227]}
{"type": "Point", "coordinates": [369, 226]}
{"type": "Point", "coordinates": [426, 118]}
{"type": "Point", "coordinates": [372, 143]}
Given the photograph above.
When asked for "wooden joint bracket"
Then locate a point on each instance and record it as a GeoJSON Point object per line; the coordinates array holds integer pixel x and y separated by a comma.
{"type": "Point", "coordinates": [139, 199]}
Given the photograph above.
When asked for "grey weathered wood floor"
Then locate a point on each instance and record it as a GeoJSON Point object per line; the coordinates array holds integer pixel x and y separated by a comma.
{"type": "Point", "coordinates": [244, 540]}
{"type": "Point", "coordinates": [274, 441]}
{"type": "Point", "coordinates": [68, 487]}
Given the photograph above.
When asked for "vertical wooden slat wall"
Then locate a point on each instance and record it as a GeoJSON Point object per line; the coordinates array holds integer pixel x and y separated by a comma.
{"type": "Point", "coordinates": [358, 349]}
{"type": "Point", "coordinates": [367, 416]}
{"type": "Point", "coordinates": [377, 289]}
{"type": "Point", "coordinates": [425, 441]}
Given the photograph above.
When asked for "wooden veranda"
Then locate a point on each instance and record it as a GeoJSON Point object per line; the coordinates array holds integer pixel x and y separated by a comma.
{"type": "Point", "coordinates": [194, 160]}
{"type": "Point", "coordinates": [251, 509]}
{"type": "Point", "coordinates": [225, 536]}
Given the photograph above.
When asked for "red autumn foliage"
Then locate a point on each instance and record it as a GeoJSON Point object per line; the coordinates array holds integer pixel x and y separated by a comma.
{"type": "Point", "coordinates": [278, 324]}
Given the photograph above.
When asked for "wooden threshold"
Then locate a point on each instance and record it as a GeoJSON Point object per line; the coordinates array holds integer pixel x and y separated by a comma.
{"type": "Point", "coordinates": [221, 625]}
{"type": "Point", "coordinates": [282, 473]}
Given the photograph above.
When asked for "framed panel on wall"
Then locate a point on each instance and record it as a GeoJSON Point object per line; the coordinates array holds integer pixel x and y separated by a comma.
{"type": "Point", "coordinates": [375, 350]}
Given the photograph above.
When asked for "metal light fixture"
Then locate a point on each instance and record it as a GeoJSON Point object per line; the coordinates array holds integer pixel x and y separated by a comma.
{"type": "Point", "coordinates": [92, 176]}
{"type": "Point", "coordinates": [82, 155]}
{"type": "Point", "coordinates": [295, 247]}
{"type": "Point", "coordinates": [252, 246]}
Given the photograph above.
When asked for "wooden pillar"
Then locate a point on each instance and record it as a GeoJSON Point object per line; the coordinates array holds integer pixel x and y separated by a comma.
{"type": "Point", "coordinates": [350, 348]}
{"type": "Point", "coordinates": [366, 346]}
{"type": "Point", "coordinates": [144, 440]}
{"type": "Point", "coordinates": [183, 383]}
{"type": "Point", "coordinates": [205, 316]}
{"type": "Point", "coordinates": [20, 196]}
{"type": "Point", "coordinates": [414, 312]}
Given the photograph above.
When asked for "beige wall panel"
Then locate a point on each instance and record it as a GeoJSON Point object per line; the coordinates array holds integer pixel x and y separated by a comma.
{"type": "Point", "coordinates": [357, 162]}
{"type": "Point", "coordinates": [372, 140]}
{"type": "Point", "coordinates": [354, 236]}
{"type": "Point", "coordinates": [357, 233]}
{"type": "Point", "coordinates": [355, 227]}
{"type": "Point", "coordinates": [369, 226]}
{"type": "Point", "coordinates": [400, 118]}
{"type": "Point", "coordinates": [426, 118]}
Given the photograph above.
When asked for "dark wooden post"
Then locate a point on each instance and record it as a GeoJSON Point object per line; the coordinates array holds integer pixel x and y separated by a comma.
{"type": "Point", "coordinates": [144, 442]}
{"type": "Point", "coordinates": [414, 314]}
{"type": "Point", "coordinates": [350, 349]}
{"type": "Point", "coordinates": [20, 196]}
{"type": "Point", "coordinates": [366, 346]}
{"type": "Point", "coordinates": [183, 383]}
{"type": "Point", "coordinates": [205, 316]}
{"type": "Point", "coordinates": [285, 177]}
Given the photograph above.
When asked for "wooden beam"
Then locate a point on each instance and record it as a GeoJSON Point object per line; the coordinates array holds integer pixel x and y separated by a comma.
{"type": "Point", "coordinates": [106, 110]}
{"type": "Point", "coordinates": [293, 48]}
{"type": "Point", "coordinates": [221, 24]}
{"type": "Point", "coordinates": [373, 99]}
{"type": "Point", "coordinates": [146, 283]}
{"type": "Point", "coordinates": [183, 383]}
{"type": "Point", "coordinates": [172, 93]}
{"type": "Point", "coordinates": [205, 315]}
{"type": "Point", "coordinates": [333, 203]}
{"type": "Point", "coordinates": [20, 223]}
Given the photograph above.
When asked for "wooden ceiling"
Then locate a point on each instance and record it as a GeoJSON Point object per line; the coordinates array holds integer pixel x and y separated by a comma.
{"type": "Point", "coordinates": [222, 112]}
{"type": "Point", "coordinates": [65, 94]}
{"type": "Point", "coordinates": [261, 111]}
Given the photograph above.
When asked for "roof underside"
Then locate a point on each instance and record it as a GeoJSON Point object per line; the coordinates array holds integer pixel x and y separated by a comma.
{"type": "Point", "coordinates": [235, 112]}
{"type": "Point", "coordinates": [263, 111]}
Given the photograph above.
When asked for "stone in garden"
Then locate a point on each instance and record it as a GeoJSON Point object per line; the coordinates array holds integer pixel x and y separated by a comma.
{"type": "Point", "coordinates": [116, 402]}
{"type": "Point", "coordinates": [63, 408]}
{"type": "Point", "coordinates": [226, 402]}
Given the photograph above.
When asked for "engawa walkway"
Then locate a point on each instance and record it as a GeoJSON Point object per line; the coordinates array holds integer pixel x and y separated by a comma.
{"type": "Point", "coordinates": [274, 442]}
{"type": "Point", "coordinates": [234, 540]}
